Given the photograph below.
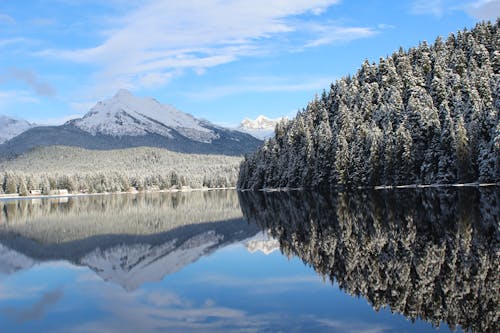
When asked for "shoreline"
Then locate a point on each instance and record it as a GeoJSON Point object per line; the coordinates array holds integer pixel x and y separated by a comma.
{"type": "Point", "coordinates": [378, 187]}
{"type": "Point", "coordinates": [9, 197]}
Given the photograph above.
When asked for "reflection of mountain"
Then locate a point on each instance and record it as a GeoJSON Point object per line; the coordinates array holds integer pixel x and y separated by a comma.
{"type": "Point", "coordinates": [430, 254]}
{"type": "Point", "coordinates": [53, 221]}
{"type": "Point", "coordinates": [263, 243]}
{"type": "Point", "coordinates": [161, 236]}
{"type": "Point", "coordinates": [12, 261]}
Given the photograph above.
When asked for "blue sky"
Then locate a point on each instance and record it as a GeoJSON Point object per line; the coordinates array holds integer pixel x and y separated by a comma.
{"type": "Point", "coordinates": [222, 60]}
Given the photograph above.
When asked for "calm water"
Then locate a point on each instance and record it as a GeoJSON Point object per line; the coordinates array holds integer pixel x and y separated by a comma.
{"type": "Point", "coordinates": [401, 261]}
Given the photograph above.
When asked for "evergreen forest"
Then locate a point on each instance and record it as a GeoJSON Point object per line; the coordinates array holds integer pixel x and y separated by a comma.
{"type": "Point", "coordinates": [427, 115]}
{"type": "Point", "coordinates": [78, 170]}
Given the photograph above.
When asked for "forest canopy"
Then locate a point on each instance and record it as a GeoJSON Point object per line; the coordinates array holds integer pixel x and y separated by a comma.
{"type": "Point", "coordinates": [80, 170]}
{"type": "Point", "coordinates": [427, 115]}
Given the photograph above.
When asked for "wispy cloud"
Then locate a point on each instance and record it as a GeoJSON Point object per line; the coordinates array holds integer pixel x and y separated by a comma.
{"type": "Point", "coordinates": [11, 41]}
{"type": "Point", "coordinates": [37, 310]}
{"type": "Point", "coordinates": [31, 79]}
{"type": "Point", "coordinates": [6, 19]}
{"type": "Point", "coordinates": [484, 9]}
{"type": "Point", "coordinates": [433, 7]}
{"type": "Point", "coordinates": [16, 96]}
{"type": "Point", "coordinates": [261, 84]}
{"type": "Point", "coordinates": [333, 34]}
{"type": "Point", "coordinates": [163, 39]}
{"type": "Point", "coordinates": [479, 9]}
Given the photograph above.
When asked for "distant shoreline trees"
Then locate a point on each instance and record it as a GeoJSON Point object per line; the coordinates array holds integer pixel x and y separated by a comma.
{"type": "Point", "coordinates": [78, 170]}
{"type": "Point", "coordinates": [422, 116]}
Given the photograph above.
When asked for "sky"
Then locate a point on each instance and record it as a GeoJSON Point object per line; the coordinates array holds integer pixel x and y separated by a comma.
{"type": "Point", "coordinates": [220, 60]}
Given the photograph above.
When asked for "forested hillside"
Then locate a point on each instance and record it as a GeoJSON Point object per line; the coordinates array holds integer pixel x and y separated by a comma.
{"type": "Point", "coordinates": [426, 115]}
{"type": "Point", "coordinates": [90, 171]}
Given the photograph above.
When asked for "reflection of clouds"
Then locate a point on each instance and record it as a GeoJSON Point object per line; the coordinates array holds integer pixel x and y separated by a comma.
{"type": "Point", "coordinates": [269, 285]}
{"type": "Point", "coordinates": [37, 310]}
{"type": "Point", "coordinates": [165, 298]}
{"type": "Point", "coordinates": [12, 293]}
{"type": "Point", "coordinates": [167, 311]}
{"type": "Point", "coordinates": [348, 327]}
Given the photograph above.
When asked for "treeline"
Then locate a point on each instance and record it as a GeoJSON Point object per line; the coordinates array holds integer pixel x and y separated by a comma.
{"type": "Point", "coordinates": [422, 116]}
{"type": "Point", "coordinates": [429, 254]}
{"type": "Point", "coordinates": [62, 220]}
{"type": "Point", "coordinates": [87, 171]}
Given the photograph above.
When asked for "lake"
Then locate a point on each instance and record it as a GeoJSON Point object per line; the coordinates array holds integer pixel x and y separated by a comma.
{"type": "Point", "coordinates": [406, 260]}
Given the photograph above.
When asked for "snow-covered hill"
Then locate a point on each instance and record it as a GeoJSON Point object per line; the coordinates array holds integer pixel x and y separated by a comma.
{"type": "Point", "coordinates": [10, 127]}
{"type": "Point", "coordinates": [261, 128]}
{"type": "Point", "coordinates": [12, 261]}
{"type": "Point", "coordinates": [125, 121]}
{"type": "Point", "coordinates": [127, 115]}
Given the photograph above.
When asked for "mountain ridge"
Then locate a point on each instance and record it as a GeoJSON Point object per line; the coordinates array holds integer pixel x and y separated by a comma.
{"type": "Point", "coordinates": [125, 121]}
{"type": "Point", "coordinates": [11, 127]}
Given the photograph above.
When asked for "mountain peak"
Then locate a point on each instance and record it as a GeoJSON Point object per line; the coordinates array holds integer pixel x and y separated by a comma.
{"type": "Point", "coordinates": [260, 123]}
{"type": "Point", "coordinates": [11, 127]}
{"type": "Point", "coordinates": [128, 115]}
{"type": "Point", "coordinates": [262, 127]}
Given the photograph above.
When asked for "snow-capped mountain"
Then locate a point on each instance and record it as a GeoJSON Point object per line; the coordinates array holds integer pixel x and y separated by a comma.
{"type": "Point", "coordinates": [128, 260]}
{"type": "Point", "coordinates": [127, 115]}
{"type": "Point", "coordinates": [12, 261]}
{"type": "Point", "coordinates": [262, 242]}
{"type": "Point", "coordinates": [126, 121]}
{"type": "Point", "coordinates": [133, 265]}
{"type": "Point", "coordinates": [10, 127]}
{"type": "Point", "coordinates": [261, 128]}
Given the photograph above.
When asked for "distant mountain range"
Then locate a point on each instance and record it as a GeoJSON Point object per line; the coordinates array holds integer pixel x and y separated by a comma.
{"type": "Point", "coordinates": [11, 127]}
{"type": "Point", "coordinates": [261, 128]}
{"type": "Point", "coordinates": [125, 121]}
{"type": "Point", "coordinates": [128, 260]}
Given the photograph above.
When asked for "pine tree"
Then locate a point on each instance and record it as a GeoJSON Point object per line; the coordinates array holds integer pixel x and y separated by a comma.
{"type": "Point", "coordinates": [23, 190]}
{"type": "Point", "coordinates": [10, 183]}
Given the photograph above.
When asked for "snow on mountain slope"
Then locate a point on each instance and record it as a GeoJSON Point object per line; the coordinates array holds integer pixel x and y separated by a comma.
{"type": "Point", "coordinates": [12, 261]}
{"type": "Point", "coordinates": [127, 115]}
{"type": "Point", "coordinates": [10, 127]}
{"type": "Point", "coordinates": [262, 242]}
{"type": "Point", "coordinates": [133, 265]}
{"type": "Point", "coordinates": [261, 128]}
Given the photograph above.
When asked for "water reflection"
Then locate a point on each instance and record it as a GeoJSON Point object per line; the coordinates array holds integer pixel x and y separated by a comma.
{"type": "Point", "coordinates": [430, 254]}
{"type": "Point", "coordinates": [125, 239]}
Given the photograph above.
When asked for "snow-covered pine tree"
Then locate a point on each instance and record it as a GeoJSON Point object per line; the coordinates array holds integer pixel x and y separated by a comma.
{"type": "Point", "coordinates": [426, 115]}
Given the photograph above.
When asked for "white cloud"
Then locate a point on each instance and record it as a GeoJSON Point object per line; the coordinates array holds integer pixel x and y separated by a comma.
{"type": "Point", "coordinates": [31, 79]}
{"type": "Point", "coordinates": [479, 9]}
{"type": "Point", "coordinates": [333, 34]}
{"type": "Point", "coordinates": [484, 9]}
{"type": "Point", "coordinates": [6, 19]}
{"type": "Point", "coordinates": [261, 84]}
{"type": "Point", "coordinates": [433, 7]}
{"type": "Point", "coordinates": [10, 41]}
{"type": "Point", "coordinates": [162, 39]}
{"type": "Point", "coordinates": [16, 96]}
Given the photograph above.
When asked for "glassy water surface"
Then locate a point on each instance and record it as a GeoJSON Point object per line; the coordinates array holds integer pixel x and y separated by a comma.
{"type": "Point", "coordinates": [222, 261]}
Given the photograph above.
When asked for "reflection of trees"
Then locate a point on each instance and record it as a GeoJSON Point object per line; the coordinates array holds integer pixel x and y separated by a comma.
{"type": "Point", "coordinates": [430, 254]}
{"type": "Point", "coordinates": [53, 221]}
